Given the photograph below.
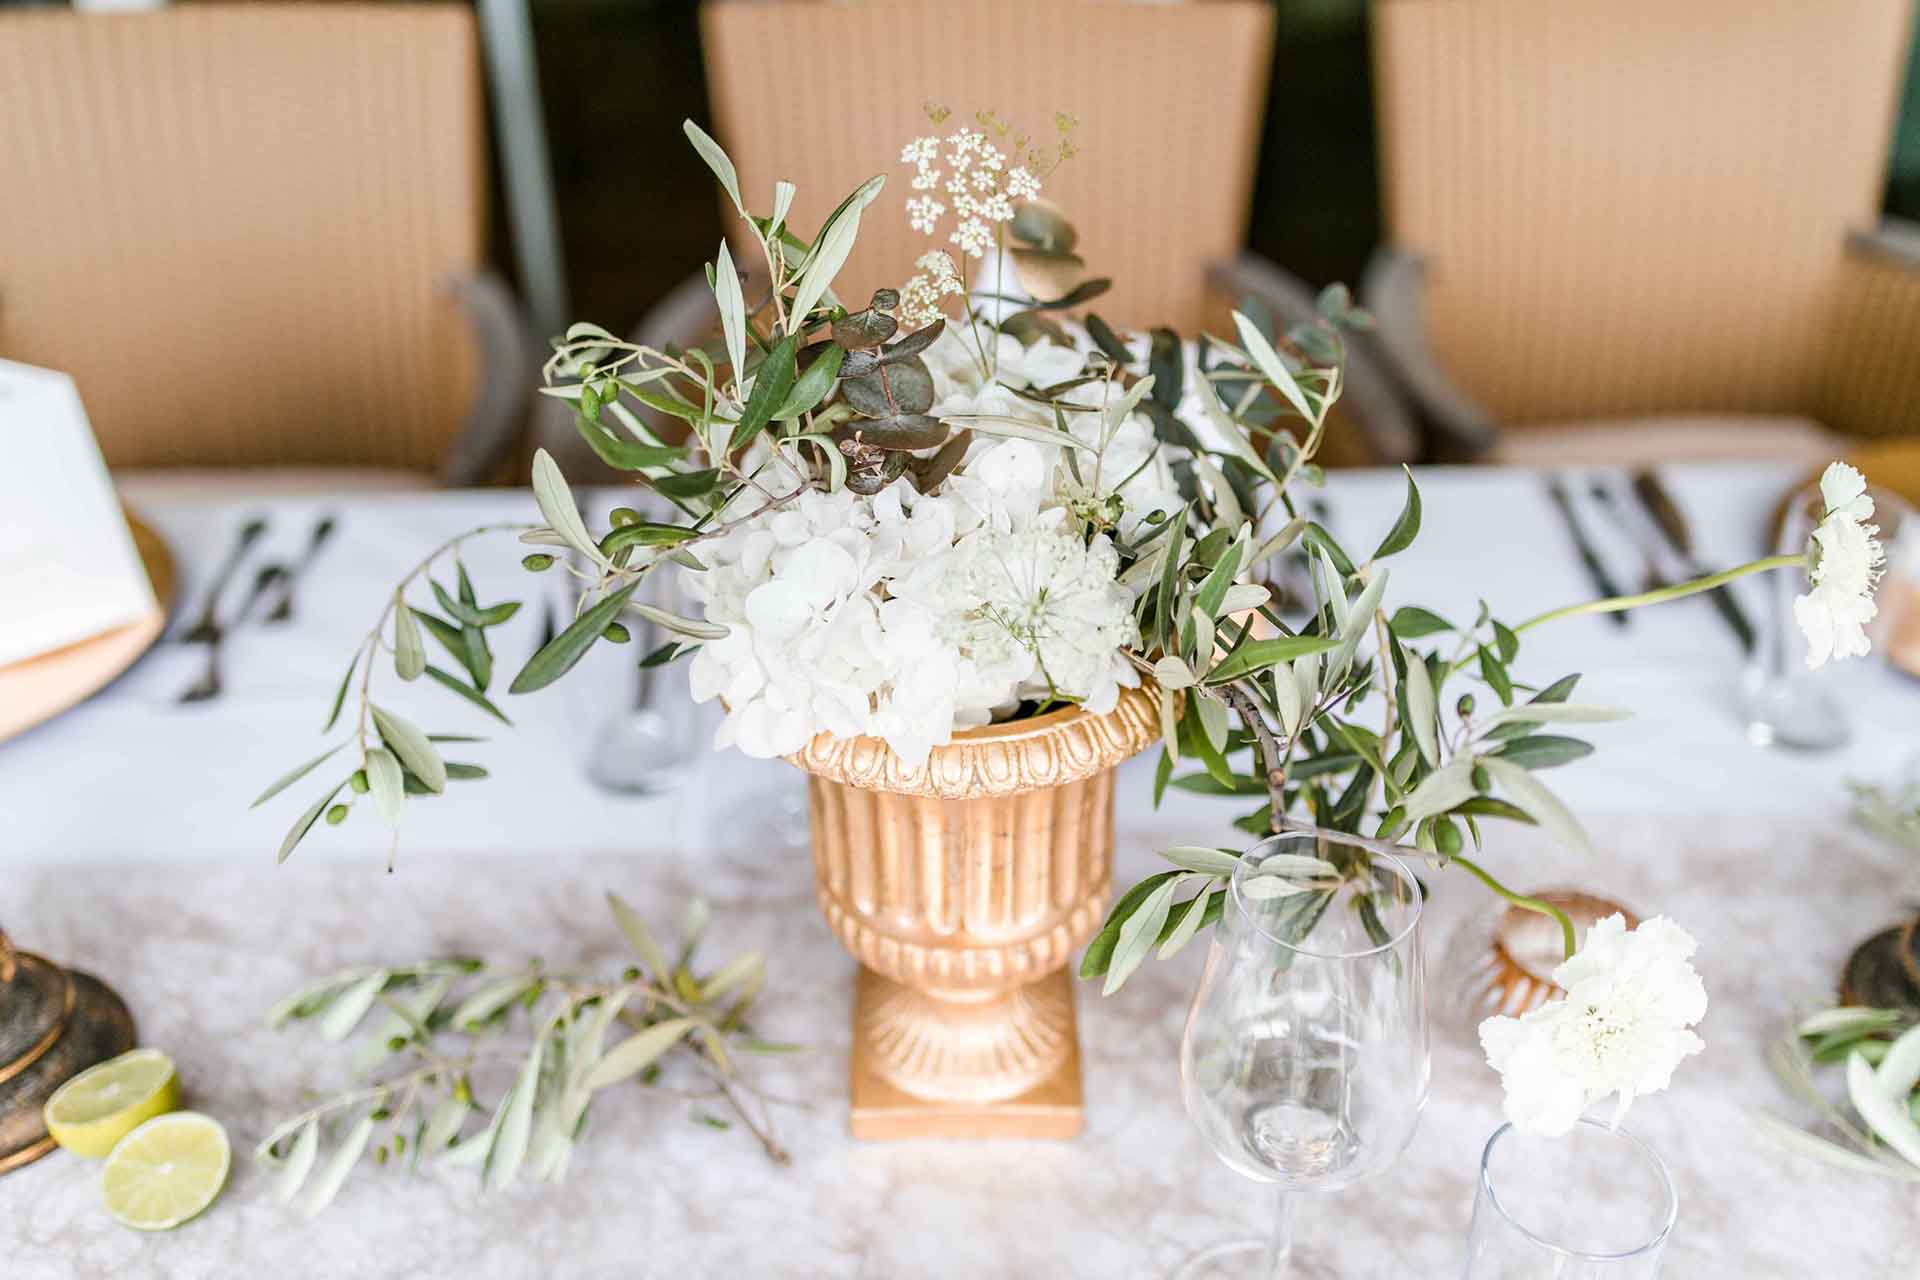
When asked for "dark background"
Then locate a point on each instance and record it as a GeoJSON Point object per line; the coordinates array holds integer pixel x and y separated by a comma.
{"type": "Point", "coordinates": [638, 211]}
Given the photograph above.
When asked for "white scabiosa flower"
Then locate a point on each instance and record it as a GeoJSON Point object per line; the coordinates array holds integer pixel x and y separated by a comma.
{"type": "Point", "coordinates": [1847, 558]}
{"type": "Point", "coordinates": [1622, 1028]}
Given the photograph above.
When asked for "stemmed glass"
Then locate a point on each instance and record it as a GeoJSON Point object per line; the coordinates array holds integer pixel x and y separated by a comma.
{"type": "Point", "coordinates": [1593, 1204]}
{"type": "Point", "coordinates": [1305, 1061]}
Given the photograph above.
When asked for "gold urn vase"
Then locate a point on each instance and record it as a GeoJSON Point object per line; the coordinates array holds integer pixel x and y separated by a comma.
{"type": "Point", "coordinates": [963, 887]}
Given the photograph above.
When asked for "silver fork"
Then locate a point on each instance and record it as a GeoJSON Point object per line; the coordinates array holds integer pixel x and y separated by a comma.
{"type": "Point", "coordinates": [282, 611]}
{"type": "Point", "coordinates": [207, 627]}
{"type": "Point", "coordinates": [208, 686]}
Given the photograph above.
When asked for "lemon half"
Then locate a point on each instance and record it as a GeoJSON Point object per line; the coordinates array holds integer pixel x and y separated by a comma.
{"type": "Point", "coordinates": [166, 1171]}
{"type": "Point", "coordinates": [104, 1103]}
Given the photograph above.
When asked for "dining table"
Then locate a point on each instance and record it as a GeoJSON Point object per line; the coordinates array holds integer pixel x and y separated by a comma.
{"type": "Point", "coordinates": [128, 849]}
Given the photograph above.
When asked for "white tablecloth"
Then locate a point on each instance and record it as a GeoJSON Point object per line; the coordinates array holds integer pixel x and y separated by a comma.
{"type": "Point", "coordinates": [126, 848]}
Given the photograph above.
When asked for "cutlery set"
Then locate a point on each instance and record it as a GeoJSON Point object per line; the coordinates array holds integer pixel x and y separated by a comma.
{"type": "Point", "coordinates": [1662, 514]}
{"type": "Point", "coordinates": [272, 580]}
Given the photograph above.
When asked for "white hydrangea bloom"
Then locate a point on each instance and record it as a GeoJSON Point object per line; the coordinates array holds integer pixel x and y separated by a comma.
{"type": "Point", "coordinates": [1847, 560]}
{"type": "Point", "coordinates": [909, 616]}
{"type": "Point", "coordinates": [1622, 1027]}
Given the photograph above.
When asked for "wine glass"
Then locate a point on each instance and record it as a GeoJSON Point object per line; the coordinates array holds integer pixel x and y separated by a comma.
{"type": "Point", "coordinates": [1305, 1061]}
{"type": "Point", "coordinates": [1592, 1204]}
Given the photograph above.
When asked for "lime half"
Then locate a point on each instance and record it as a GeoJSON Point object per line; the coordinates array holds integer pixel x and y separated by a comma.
{"type": "Point", "coordinates": [104, 1103]}
{"type": "Point", "coordinates": [166, 1171]}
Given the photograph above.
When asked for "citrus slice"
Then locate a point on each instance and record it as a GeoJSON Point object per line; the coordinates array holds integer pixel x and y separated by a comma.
{"type": "Point", "coordinates": [166, 1171]}
{"type": "Point", "coordinates": [104, 1103]}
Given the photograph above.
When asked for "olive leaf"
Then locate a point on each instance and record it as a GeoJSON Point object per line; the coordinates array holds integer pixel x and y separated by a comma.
{"type": "Point", "coordinates": [386, 784]}
{"type": "Point", "coordinates": [637, 1052]}
{"type": "Point", "coordinates": [412, 748]}
{"type": "Point", "coordinates": [409, 656]}
{"type": "Point", "coordinates": [334, 1173]}
{"type": "Point", "coordinates": [558, 656]}
{"type": "Point", "coordinates": [289, 779]}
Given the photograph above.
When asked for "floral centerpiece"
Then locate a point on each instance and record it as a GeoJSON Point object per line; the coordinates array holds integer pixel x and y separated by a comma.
{"type": "Point", "coordinates": [970, 503]}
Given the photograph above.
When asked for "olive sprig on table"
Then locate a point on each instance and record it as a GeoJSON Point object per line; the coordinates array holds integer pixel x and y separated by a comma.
{"type": "Point", "coordinates": [433, 1036]}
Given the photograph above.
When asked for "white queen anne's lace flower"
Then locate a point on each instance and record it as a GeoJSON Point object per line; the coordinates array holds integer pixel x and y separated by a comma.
{"type": "Point", "coordinates": [1847, 558]}
{"type": "Point", "coordinates": [1621, 1029]}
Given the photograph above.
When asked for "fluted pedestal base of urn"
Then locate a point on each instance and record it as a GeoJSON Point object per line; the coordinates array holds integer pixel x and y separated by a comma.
{"type": "Point", "coordinates": [963, 888]}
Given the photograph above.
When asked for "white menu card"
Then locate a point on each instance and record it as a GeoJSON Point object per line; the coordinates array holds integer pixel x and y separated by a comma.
{"type": "Point", "coordinates": [68, 566]}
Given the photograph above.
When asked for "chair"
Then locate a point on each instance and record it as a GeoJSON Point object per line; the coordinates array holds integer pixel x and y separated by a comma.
{"type": "Point", "coordinates": [254, 235]}
{"type": "Point", "coordinates": [1633, 229]}
{"type": "Point", "coordinates": [1169, 100]}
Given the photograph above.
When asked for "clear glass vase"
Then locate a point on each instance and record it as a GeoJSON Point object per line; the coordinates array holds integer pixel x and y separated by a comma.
{"type": "Point", "coordinates": [1593, 1204]}
{"type": "Point", "coordinates": [1305, 1061]}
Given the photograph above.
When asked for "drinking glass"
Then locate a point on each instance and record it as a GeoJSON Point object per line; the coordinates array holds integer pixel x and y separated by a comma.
{"type": "Point", "coordinates": [1305, 1060]}
{"type": "Point", "coordinates": [647, 746]}
{"type": "Point", "coordinates": [1785, 704]}
{"type": "Point", "coordinates": [1593, 1204]}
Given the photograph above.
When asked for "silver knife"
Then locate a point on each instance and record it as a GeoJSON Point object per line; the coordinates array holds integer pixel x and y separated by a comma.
{"type": "Point", "coordinates": [1589, 558]}
{"type": "Point", "coordinates": [1672, 524]}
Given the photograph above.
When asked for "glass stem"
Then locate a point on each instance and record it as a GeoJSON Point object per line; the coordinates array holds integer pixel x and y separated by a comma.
{"type": "Point", "coordinates": [1280, 1249]}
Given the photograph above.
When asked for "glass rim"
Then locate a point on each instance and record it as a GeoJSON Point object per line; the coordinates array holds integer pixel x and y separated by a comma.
{"type": "Point", "coordinates": [1640, 1144]}
{"type": "Point", "coordinates": [1415, 896]}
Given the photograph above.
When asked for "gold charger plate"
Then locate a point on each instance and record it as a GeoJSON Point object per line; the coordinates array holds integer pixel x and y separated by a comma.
{"type": "Point", "coordinates": [39, 688]}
